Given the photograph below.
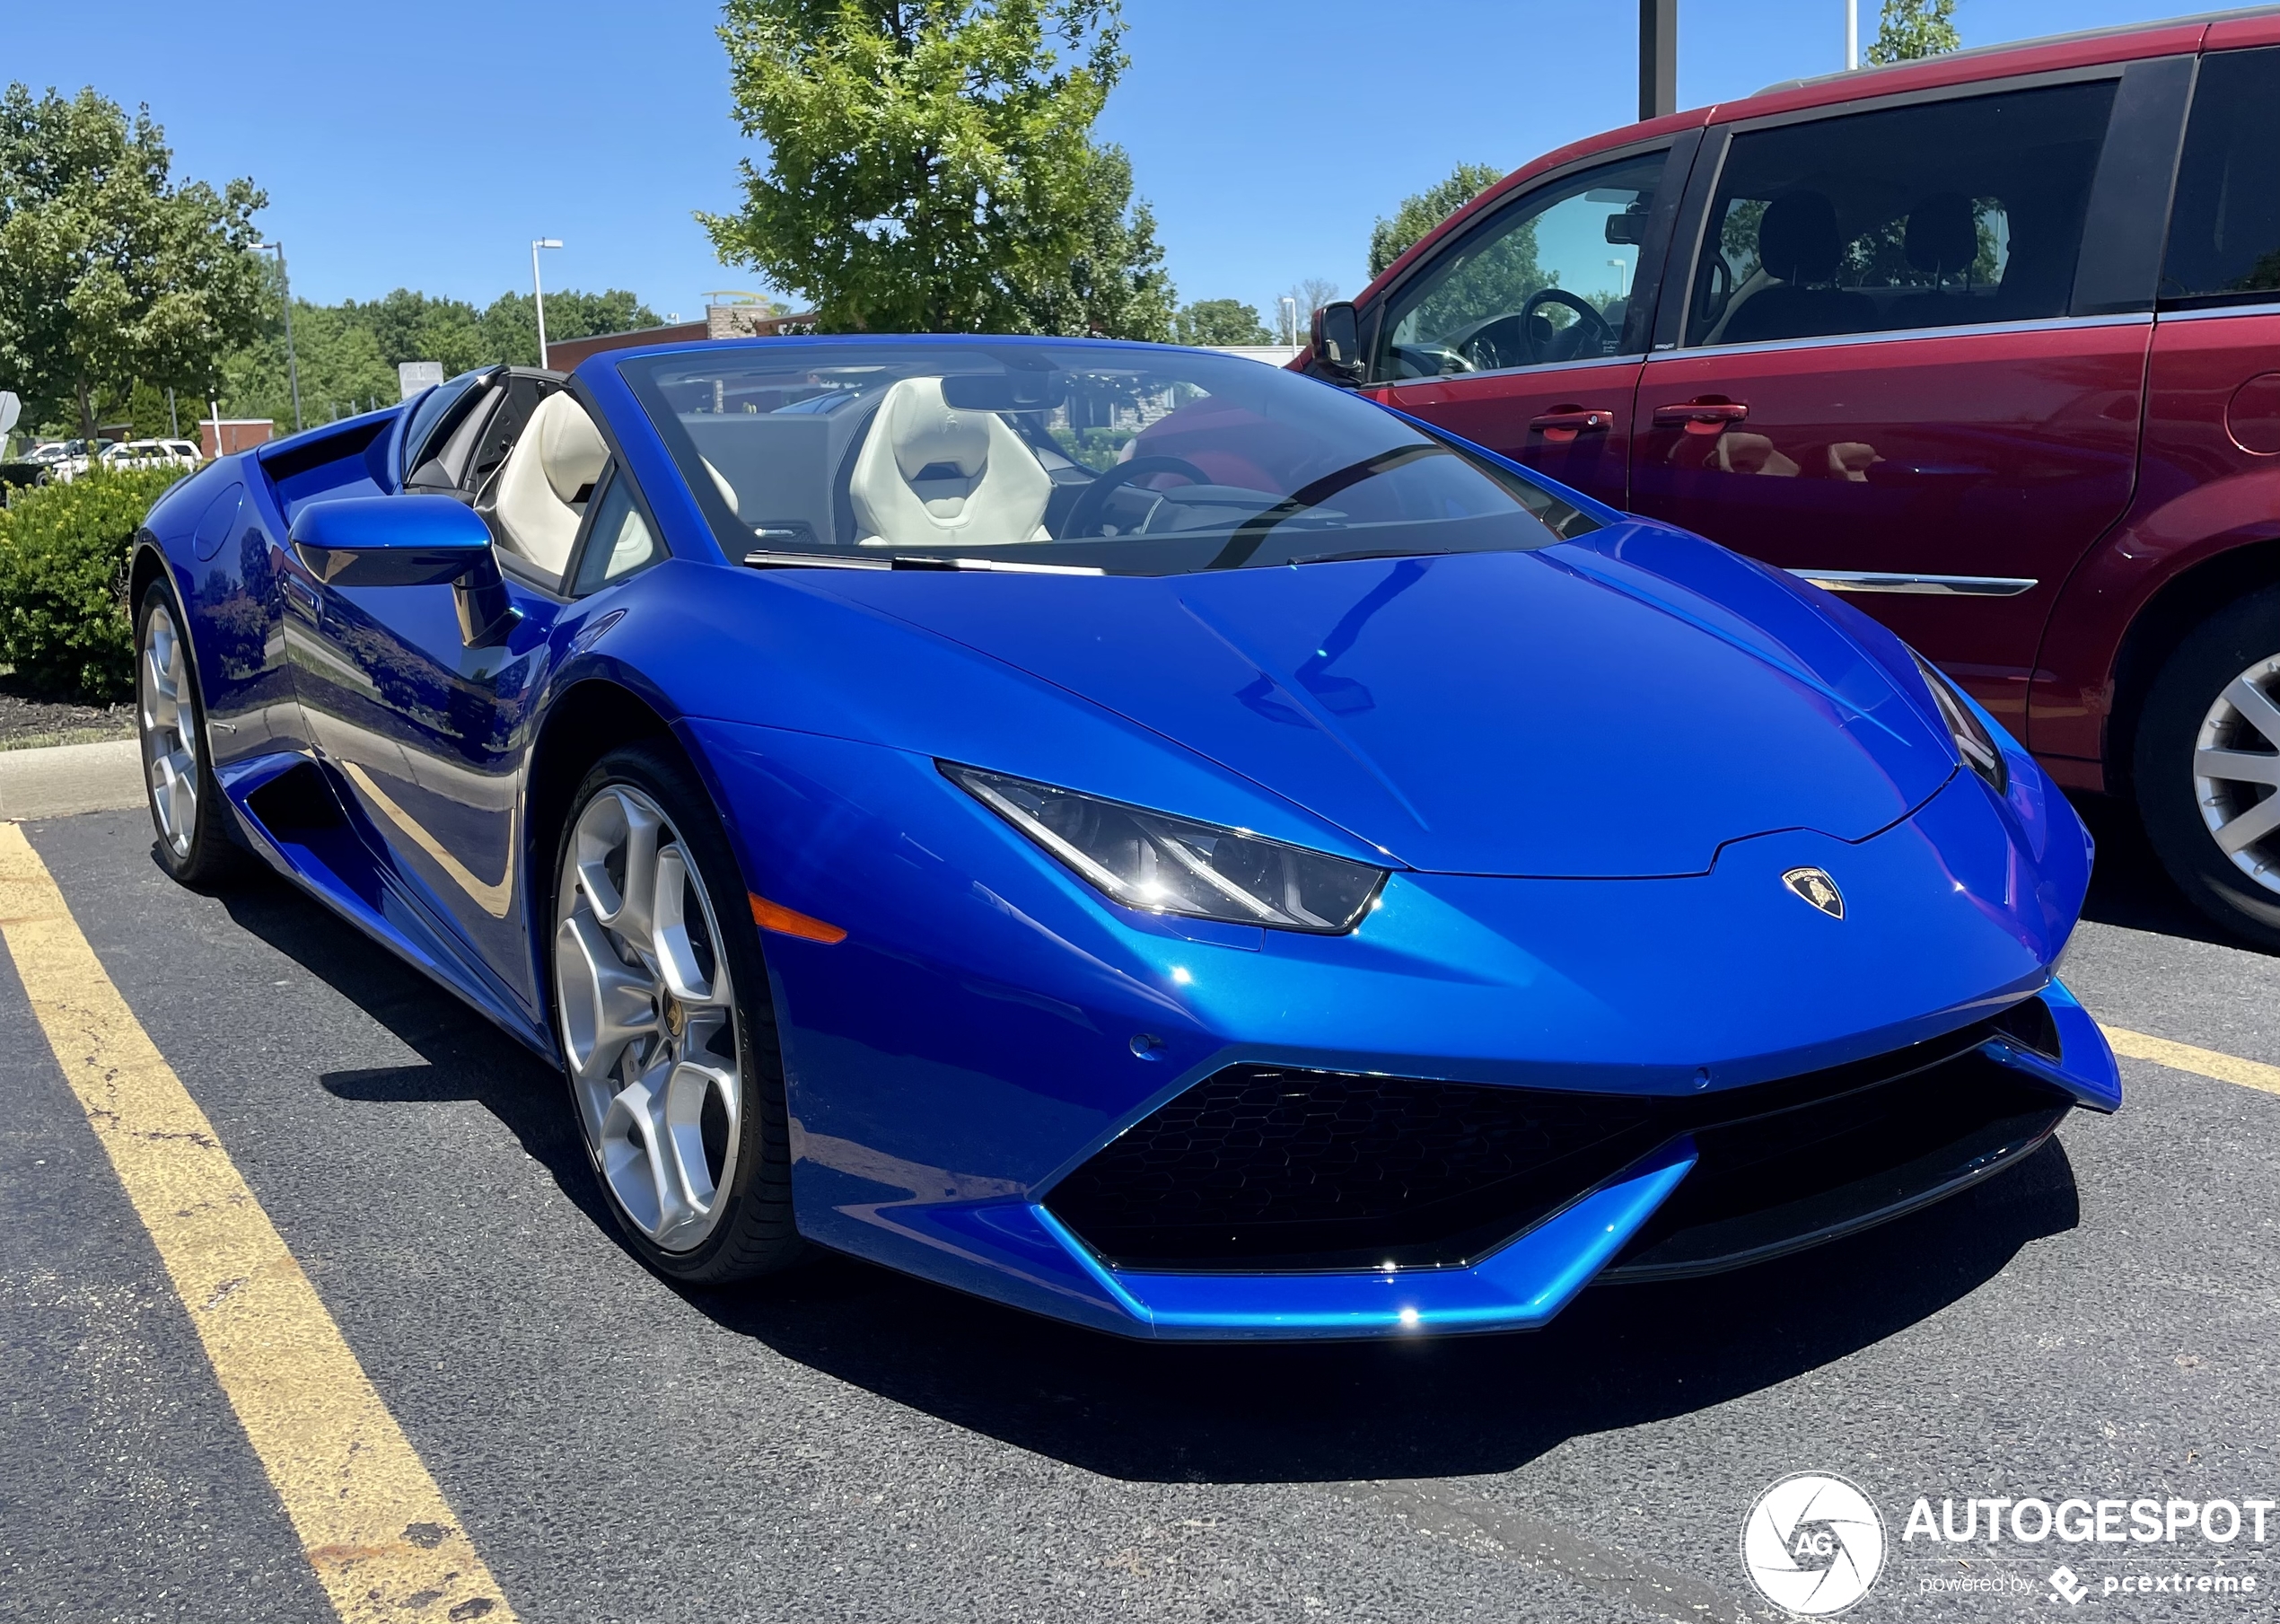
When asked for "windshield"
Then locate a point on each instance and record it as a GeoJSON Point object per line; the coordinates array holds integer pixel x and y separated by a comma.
{"type": "Point", "coordinates": [1114, 458]}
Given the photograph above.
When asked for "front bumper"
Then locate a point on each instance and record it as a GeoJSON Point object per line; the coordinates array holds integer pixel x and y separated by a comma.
{"type": "Point", "coordinates": [990, 1026]}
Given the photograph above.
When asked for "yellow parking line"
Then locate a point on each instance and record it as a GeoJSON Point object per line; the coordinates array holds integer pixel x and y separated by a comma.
{"type": "Point", "coordinates": [376, 1527]}
{"type": "Point", "coordinates": [2201, 1062]}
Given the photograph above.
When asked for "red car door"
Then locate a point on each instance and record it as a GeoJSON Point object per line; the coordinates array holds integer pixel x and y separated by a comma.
{"type": "Point", "coordinates": [1522, 334]}
{"type": "Point", "coordinates": [1882, 377]}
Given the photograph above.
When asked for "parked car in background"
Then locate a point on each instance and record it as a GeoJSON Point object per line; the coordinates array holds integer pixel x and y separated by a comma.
{"type": "Point", "coordinates": [1990, 343]}
{"type": "Point", "coordinates": [151, 454]}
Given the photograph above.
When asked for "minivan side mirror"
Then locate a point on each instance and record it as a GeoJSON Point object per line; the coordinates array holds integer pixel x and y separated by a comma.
{"type": "Point", "coordinates": [409, 541]}
{"type": "Point", "coordinates": [1337, 349]}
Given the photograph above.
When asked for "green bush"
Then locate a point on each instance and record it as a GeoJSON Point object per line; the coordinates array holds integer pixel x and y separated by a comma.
{"type": "Point", "coordinates": [63, 548]}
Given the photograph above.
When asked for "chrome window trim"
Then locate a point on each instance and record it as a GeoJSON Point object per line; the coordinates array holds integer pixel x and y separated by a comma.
{"type": "Point", "coordinates": [2041, 324]}
{"type": "Point", "coordinates": [2268, 305]}
{"type": "Point", "coordinates": [1531, 370]}
{"type": "Point", "coordinates": [1933, 586]}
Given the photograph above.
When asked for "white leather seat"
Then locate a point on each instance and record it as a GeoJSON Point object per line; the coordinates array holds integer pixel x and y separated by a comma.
{"type": "Point", "coordinates": [930, 475]}
{"type": "Point", "coordinates": [554, 464]}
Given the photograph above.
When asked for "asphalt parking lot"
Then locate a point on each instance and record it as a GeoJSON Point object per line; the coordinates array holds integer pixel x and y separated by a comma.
{"type": "Point", "coordinates": [849, 1445]}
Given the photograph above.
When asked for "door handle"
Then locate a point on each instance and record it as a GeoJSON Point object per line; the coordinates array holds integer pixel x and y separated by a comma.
{"type": "Point", "coordinates": [1700, 417]}
{"type": "Point", "coordinates": [1566, 421]}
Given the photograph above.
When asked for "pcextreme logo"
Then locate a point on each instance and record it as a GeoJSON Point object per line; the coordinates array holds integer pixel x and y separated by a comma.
{"type": "Point", "coordinates": [1813, 1544]}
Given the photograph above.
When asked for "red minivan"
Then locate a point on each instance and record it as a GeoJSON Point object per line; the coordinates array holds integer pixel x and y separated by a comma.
{"type": "Point", "coordinates": [1991, 342]}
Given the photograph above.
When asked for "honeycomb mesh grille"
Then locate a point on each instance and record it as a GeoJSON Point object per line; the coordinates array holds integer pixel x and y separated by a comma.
{"type": "Point", "coordinates": [1254, 1166]}
{"type": "Point", "coordinates": [1260, 1168]}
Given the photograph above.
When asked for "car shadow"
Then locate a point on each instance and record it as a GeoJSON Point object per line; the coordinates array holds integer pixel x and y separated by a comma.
{"type": "Point", "coordinates": [1618, 1356]}
{"type": "Point", "coordinates": [2129, 888]}
{"type": "Point", "coordinates": [462, 1057]}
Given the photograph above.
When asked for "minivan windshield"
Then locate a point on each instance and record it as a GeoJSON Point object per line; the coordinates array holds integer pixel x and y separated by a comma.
{"type": "Point", "coordinates": [1122, 459]}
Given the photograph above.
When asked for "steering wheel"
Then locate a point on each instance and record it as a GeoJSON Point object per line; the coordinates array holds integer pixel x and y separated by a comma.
{"type": "Point", "coordinates": [1084, 514]}
{"type": "Point", "coordinates": [1583, 310]}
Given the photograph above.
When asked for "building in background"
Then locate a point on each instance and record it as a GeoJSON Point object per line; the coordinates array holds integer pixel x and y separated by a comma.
{"type": "Point", "coordinates": [238, 434]}
{"type": "Point", "coordinates": [734, 321]}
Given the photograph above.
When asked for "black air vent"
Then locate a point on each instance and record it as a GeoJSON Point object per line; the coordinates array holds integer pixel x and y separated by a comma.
{"type": "Point", "coordinates": [1260, 1168]}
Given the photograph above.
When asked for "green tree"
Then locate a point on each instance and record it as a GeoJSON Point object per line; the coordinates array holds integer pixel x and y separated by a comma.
{"type": "Point", "coordinates": [1115, 284]}
{"type": "Point", "coordinates": [413, 327]}
{"type": "Point", "coordinates": [1910, 28]}
{"type": "Point", "coordinates": [112, 273]}
{"type": "Point", "coordinates": [1391, 239]}
{"type": "Point", "coordinates": [1213, 321]}
{"type": "Point", "coordinates": [930, 166]}
{"type": "Point", "coordinates": [349, 352]}
{"type": "Point", "coordinates": [509, 326]}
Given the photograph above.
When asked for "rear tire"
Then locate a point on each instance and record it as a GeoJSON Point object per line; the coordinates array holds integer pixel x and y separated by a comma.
{"type": "Point", "coordinates": [185, 802]}
{"type": "Point", "coordinates": [667, 1025]}
{"type": "Point", "coordinates": [2207, 767]}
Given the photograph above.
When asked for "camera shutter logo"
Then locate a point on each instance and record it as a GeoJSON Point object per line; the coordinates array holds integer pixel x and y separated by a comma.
{"type": "Point", "coordinates": [1813, 1544]}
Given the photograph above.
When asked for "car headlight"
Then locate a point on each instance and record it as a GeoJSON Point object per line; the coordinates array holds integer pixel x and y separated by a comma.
{"type": "Point", "coordinates": [1174, 865]}
{"type": "Point", "coordinates": [1980, 752]}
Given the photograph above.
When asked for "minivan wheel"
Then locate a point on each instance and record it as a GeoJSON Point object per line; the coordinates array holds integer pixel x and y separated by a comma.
{"type": "Point", "coordinates": [667, 1026]}
{"type": "Point", "coordinates": [2208, 767]}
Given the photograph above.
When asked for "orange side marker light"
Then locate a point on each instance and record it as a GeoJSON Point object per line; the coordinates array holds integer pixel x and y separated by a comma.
{"type": "Point", "coordinates": [785, 922]}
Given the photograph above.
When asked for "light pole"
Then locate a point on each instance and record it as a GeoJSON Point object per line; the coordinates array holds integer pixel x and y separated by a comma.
{"type": "Point", "coordinates": [1290, 317]}
{"type": "Point", "coordinates": [538, 295]}
{"type": "Point", "coordinates": [293, 368]}
{"type": "Point", "coordinates": [1852, 34]}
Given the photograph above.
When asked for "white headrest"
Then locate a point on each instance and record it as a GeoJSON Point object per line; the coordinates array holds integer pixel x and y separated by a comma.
{"type": "Point", "coordinates": [929, 473]}
{"type": "Point", "coordinates": [927, 433]}
{"type": "Point", "coordinates": [570, 447]}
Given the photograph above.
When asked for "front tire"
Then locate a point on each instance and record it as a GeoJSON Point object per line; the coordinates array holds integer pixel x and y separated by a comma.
{"type": "Point", "coordinates": [178, 768]}
{"type": "Point", "coordinates": [667, 1027]}
{"type": "Point", "coordinates": [2207, 767]}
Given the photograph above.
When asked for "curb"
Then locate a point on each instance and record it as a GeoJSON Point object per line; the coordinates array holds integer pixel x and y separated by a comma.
{"type": "Point", "coordinates": [58, 780]}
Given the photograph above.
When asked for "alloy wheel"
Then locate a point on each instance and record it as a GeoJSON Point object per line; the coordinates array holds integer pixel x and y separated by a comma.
{"type": "Point", "coordinates": [170, 730]}
{"type": "Point", "coordinates": [648, 1018]}
{"type": "Point", "coordinates": [2236, 772]}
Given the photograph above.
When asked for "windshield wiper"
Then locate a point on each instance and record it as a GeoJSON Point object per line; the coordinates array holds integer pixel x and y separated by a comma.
{"type": "Point", "coordinates": [1252, 532]}
{"type": "Point", "coordinates": [1000, 566]}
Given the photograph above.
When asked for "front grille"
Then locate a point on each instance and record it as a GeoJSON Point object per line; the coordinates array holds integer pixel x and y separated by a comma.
{"type": "Point", "coordinates": [1257, 1168]}
{"type": "Point", "coordinates": [1261, 1169]}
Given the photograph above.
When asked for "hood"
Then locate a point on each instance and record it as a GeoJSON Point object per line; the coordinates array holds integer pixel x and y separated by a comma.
{"type": "Point", "coordinates": [1616, 708]}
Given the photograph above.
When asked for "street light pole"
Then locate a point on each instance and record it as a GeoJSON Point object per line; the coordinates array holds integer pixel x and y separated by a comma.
{"type": "Point", "coordinates": [1658, 58]}
{"type": "Point", "coordinates": [538, 295]}
{"type": "Point", "coordinates": [1852, 34]}
{"type": "Point", "coordinates": [292, 367]}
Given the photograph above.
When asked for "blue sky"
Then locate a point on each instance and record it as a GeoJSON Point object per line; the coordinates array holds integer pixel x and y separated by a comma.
{"type": "Point", "coordinates": [427, 151]}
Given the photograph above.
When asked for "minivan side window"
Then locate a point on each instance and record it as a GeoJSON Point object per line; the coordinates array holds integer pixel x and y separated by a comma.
{"type": "Point", "coordinates": [1945, 214]}
{"type": "Point", "coordinates": [2224, 228]}
{"type": "Point", "coordinates": [1548, 279]}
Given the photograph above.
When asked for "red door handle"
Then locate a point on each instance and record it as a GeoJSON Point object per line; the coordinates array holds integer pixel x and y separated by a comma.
{"type": "Point", "coordinates": [1569, 421]}
{"type": "Point", "coordinates": [1700, 417]}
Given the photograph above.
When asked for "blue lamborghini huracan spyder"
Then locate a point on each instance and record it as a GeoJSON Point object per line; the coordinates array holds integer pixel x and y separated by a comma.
{"type": "Point", "coordinates": [1124, 831]}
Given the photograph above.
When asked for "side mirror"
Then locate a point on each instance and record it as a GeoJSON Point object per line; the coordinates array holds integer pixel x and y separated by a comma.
{"type": "Point", "coordinates": [1337, 349]}
{"type": "Point", "coordinates": [409, 541]}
